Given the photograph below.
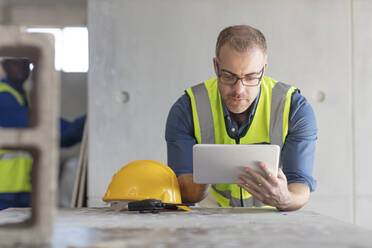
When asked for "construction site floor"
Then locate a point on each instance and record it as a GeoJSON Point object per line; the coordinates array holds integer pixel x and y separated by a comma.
{"type": "Point", "coordinates": [202, 227]}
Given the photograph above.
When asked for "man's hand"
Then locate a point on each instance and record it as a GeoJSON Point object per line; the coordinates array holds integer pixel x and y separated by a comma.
{"type": "Point", "coordinates": [273, 190]}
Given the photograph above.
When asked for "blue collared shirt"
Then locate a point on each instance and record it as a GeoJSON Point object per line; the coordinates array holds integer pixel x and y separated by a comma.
{"type": "Point", "coordinates": [298, 150]}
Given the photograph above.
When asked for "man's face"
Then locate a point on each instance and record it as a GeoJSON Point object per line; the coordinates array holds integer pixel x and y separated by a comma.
{"type": "Point", "coordinates": [250, 64]}
{"type": "Point", "coordinates": [17, 70]}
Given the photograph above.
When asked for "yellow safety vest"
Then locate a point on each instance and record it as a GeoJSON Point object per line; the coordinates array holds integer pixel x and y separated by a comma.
{"type": "Point", "coordinates": [15, 169]}
{"type": "Point", "coordinates": [6, 88]}
{"type": "Point", "coordinates": [269, 125]}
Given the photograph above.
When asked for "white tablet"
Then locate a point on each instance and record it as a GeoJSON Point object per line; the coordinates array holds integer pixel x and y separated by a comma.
{"type": "Point", "coordinates": [215, 164]}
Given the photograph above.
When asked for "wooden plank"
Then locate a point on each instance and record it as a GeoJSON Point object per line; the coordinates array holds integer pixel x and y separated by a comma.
{"type": "Point", "coordinates": [83, 176]}
{"type": "Point", "coordinates": [79, 174]}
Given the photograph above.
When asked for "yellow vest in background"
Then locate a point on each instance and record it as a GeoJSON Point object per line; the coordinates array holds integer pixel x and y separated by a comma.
{"type": "Point", "coordinates": [15, 171]}
{"type": "Point", "coordinates": [6, 88]}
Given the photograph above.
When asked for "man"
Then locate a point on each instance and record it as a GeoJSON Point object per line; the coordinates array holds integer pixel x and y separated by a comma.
{"type": "Point", "coordinates": [15, 165]}
{"type": "Point", "coordinates": [242, 106]}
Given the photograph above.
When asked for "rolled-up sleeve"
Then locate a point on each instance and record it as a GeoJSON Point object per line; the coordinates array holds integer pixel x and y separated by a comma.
{"type": "Point", "coordinates": [299, 148]}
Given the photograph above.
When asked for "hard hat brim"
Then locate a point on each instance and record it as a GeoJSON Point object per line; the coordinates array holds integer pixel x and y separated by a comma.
{"type": "Point", "coordinates": [184, 208]}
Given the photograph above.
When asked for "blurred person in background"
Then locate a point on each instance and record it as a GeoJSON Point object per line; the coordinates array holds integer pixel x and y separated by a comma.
{"type": "Point", "coordinates": [16, 165]}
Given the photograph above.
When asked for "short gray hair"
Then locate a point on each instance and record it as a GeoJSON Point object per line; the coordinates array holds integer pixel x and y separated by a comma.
{"type": "Point", "coordinates": [241, 38]}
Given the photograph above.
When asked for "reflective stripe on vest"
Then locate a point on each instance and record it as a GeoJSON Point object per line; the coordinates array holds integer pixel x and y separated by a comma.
{"type": "Point", "coordinates": [6, 88]}
{"type": "Point", "coordinates": [269, 125]}
{"type": "Point", "coordinates": [15, 169]}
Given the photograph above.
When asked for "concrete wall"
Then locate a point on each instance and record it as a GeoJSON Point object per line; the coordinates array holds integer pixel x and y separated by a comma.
{"type": "Point", "coordinates": [155, 50]}
{"type": "Point", "coordinates": [73, 94]}
{"type": "Point", "coordinates": [362, 88]}
{"type": "Point", "coordinates": [54, 13]}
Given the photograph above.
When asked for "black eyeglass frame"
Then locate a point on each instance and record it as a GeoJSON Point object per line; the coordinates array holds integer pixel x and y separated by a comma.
{"type": "Point", "coordinates": [240, 78]}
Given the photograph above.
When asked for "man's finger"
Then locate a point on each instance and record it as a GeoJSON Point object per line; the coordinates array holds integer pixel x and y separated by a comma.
{"type": "Point", "coordinates": [258, 178]}
{"type": "Point", "coordinates": [258, 195]}
{"type": "Point", "coordinates": [247, 181]}
{"type": "Point", "coordinates": [281, 174]}
{"type": "Point", "coordinates": [269, 175]}
{"type": "Point", "coordinates": [253, 185]}
{"type": "Point", "coordinates": [251, 191]}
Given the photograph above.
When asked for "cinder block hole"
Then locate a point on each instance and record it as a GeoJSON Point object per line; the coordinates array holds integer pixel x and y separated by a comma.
{"type": "Point", "coordinates": [19, 74]}
{"type": "Point", "coordinates": [18, 187]}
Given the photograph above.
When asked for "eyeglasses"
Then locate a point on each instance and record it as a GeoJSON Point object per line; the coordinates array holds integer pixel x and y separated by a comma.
{"type": "Point", "coordinates": [229, 78]}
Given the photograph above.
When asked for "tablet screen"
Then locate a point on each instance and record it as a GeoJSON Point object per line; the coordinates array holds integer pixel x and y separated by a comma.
{"type": "Point", "coordinates": [221, 164]}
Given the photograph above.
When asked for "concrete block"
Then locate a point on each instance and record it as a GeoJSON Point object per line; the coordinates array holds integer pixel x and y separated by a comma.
{"type": "Point", "coordinates": [42, 138]}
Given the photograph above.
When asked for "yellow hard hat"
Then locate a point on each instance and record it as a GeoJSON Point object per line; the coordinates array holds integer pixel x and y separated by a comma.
{"type": "Point", "coordinates": [144, 179]}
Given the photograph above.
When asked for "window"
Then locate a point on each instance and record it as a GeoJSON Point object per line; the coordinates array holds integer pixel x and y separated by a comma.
{"type": "Point", "coordinates": [71, 47]}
